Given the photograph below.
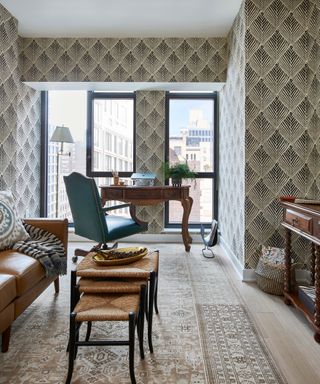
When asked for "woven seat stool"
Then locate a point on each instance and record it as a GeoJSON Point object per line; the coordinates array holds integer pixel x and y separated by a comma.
{"type": "Point", "coordinates": [86, 285]}
{"type": "Point", "coordinates": [107, 307]}
{"type": "Point", "coordinates": [145, 269]}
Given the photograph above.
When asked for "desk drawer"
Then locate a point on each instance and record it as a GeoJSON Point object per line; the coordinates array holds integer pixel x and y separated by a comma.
{"type": "Point", "coordinates": [298, 220]}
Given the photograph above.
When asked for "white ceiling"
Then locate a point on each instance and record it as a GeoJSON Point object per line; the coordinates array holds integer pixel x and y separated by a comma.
{"type": "Point", "coordinates": [123, 18]}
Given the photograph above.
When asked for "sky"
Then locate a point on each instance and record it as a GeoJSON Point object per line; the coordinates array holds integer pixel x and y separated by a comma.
{"type": "Point", "coordinates": [69, 108]}
{"type": "Point", "coordinates": [179, 113]}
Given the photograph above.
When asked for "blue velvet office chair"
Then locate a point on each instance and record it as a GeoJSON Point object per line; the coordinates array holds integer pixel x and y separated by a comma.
{"type": "Point", "coordinates": [91, 220]}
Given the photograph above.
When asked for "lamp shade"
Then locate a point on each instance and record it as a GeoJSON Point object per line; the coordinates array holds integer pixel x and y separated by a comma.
{"type": "Point", "coordinates": [61, 135]}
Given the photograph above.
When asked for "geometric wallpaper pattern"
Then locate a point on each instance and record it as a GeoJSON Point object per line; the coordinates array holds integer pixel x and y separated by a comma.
{"type": "Point", "coordinates": [150, 136]}
{"type": "Point", "coordinates": [270, 136]}
{"type": "Point", "coordinates": [19, 124]}
{"type": "Point", "coordinates": [282, 130]}
{"type": "Point", "coordinates": [282, 119]}
{"type": "Point", "coordinates": [232, 143]}
{"type": "Point", "coordinates": [124, 60]}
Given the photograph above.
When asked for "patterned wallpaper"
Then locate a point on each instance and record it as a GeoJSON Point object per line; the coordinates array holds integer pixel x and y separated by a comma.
{"type": "Point", "coordinates": [282, 143]}
{"type": "Point", "coordinates": [315, 94]}
{"type": "Point", "coordinates": [20, 124]}
{"type": "Point", "coordinates": [127, 59]}
{"type": "Point", "coordinates": [150, 120]}
{"type": "Point", "coordinates": [231, 143]}
{"type": "Point", "coordinates": [278, 64]}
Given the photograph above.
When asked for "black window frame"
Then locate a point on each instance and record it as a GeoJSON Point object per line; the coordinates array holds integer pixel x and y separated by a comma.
{"type": "Point", "coordinates": [200, 175]}
{"type": "Point", "coordinates": [90, 131]}
{"type": "Point", "coordinates": [44, 154]}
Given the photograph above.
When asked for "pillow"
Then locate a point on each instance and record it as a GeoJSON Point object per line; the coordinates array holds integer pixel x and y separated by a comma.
{"type": "Point", "coordinates": [273, 255]}
{"type": "Point", "coordinates": [11, 227]}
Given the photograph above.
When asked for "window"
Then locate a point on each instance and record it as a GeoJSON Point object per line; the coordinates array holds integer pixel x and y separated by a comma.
{"type": "Point", "coordinates": [191, 135]}
{"type": "Point", "coordinates": [68, 108]}
{"type": "Point", "coordinates": [115, 122]}
{"type": "Point", "coordinates": [103, 150]}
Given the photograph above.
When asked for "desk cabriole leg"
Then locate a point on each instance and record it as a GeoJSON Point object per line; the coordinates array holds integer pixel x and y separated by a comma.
{"type": "Point", "coordinates": [287, 260]}
{"type": "Point", "coordinates": [186, 212]}
{"type": "Point", "coordinates": [191, 203]}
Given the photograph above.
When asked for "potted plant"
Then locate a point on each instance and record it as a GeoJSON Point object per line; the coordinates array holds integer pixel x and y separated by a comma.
{"type": "Point", "coordinates": [177, 172]}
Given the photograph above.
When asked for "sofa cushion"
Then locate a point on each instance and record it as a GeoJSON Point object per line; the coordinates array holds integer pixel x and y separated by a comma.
{"type": "Point", "coordinates": [11, 227]}
{"type": "Point", "coordinates": [27, 270]}
{"type": "Point", "coordinates": [7, 290]}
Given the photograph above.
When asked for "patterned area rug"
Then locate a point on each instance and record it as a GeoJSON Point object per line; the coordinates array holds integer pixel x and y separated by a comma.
{"type": "Point", "coordinates": [203, 335]}
{"type": "Point", "coordinates": [232, 348]}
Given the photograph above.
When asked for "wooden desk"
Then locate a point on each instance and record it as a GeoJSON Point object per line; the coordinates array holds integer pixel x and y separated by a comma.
{"type": "Point", "coordinates": [143, 196]}
{"type": "Point", "coordinates": [303, 219]}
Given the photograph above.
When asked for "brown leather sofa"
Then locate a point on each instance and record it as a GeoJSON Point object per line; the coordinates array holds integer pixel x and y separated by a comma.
{"type": "Point", "coordinates": [22, 278]}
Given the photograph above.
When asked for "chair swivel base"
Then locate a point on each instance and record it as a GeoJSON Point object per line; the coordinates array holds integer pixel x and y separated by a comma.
{"type": "Point", "coordinates": [83, 252]}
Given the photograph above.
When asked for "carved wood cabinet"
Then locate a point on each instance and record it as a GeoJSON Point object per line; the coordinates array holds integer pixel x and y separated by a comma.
{"type": "Point", "coordinates": [303, 219]}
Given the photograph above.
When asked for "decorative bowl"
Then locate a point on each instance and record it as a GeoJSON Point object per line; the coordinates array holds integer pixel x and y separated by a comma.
{"type": "Point", "coordinates": [119, 256]}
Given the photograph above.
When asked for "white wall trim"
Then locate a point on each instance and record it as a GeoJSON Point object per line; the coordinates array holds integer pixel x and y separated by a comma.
{"type": "Point", "coordinates": [166, 237]}
{"type": "Point", "coordinates": [248, 275]}
{"type": "Point", "coordinates": [302, 276]}
{"type": "Point", "coordinates": [234, 260]}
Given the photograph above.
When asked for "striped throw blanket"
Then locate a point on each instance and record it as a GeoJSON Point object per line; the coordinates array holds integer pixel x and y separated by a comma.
{"type": "Point", "coordinates": [46, 248]}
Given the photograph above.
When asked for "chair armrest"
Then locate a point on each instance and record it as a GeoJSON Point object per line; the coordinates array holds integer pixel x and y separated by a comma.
{"type": "Point", "coordinates": [58, 227]}
{"type": "Point", "coordinates": [134, 217]}
{"type": "Point", "coordinates": [113, 207]}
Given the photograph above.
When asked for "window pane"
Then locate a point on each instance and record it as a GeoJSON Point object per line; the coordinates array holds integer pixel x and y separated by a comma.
{"type": "Point", "coordinates": [113, 135]}
{"type": "Point", "coordinates": [68, 108]}
{"type": "Point", "coordinates": [191, 133]}
{"type": "Point", "coordinates": [191, 140]}
{"type": "Point", "coordinates": [202, 208]}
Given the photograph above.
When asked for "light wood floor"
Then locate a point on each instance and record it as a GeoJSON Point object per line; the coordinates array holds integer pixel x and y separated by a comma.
{"type": "Point", "coordinates": [285, 331]}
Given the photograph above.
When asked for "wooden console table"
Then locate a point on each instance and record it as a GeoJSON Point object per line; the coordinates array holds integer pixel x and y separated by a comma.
{"type": "Point", "coordinates": [144, 196]}
{"type": "Point", "coordinates": [303, 219]}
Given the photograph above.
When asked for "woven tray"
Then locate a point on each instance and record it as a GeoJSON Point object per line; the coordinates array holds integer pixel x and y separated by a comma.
{"type": "Point", "coordinates": [120, 260]}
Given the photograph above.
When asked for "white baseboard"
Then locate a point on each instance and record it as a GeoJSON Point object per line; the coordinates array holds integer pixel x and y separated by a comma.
{"type": "Point", "coordinates": [165, 237]}
{"type": "Point", "coordinates": [248, 275]}
{"type": "Point", "coordinates": [234, 260]}
{"type": "Point", "coordinates": [302, 276]}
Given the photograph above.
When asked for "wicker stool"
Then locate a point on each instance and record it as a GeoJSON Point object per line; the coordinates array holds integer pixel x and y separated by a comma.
{"type": "Point", "coordinates": [145, 269]}
{"type": "Point", "coordinates": [107, 307]}
{"type": "Point", "coordinates": [103, 286]}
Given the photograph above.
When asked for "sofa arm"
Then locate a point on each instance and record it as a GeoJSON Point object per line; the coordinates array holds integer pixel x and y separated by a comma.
{"type": "Point", "coordinates": [58, 227]}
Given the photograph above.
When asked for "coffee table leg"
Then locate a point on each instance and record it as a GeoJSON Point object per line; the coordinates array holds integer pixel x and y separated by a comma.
{"type": "Point", "coordinates": [150, 314]}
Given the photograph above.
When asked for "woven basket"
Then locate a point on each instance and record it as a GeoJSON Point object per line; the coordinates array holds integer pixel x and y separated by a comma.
{"type": "Point", "coordinates": [269, 285]}
{"type": "Point", "coordinates": [270, 271]}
